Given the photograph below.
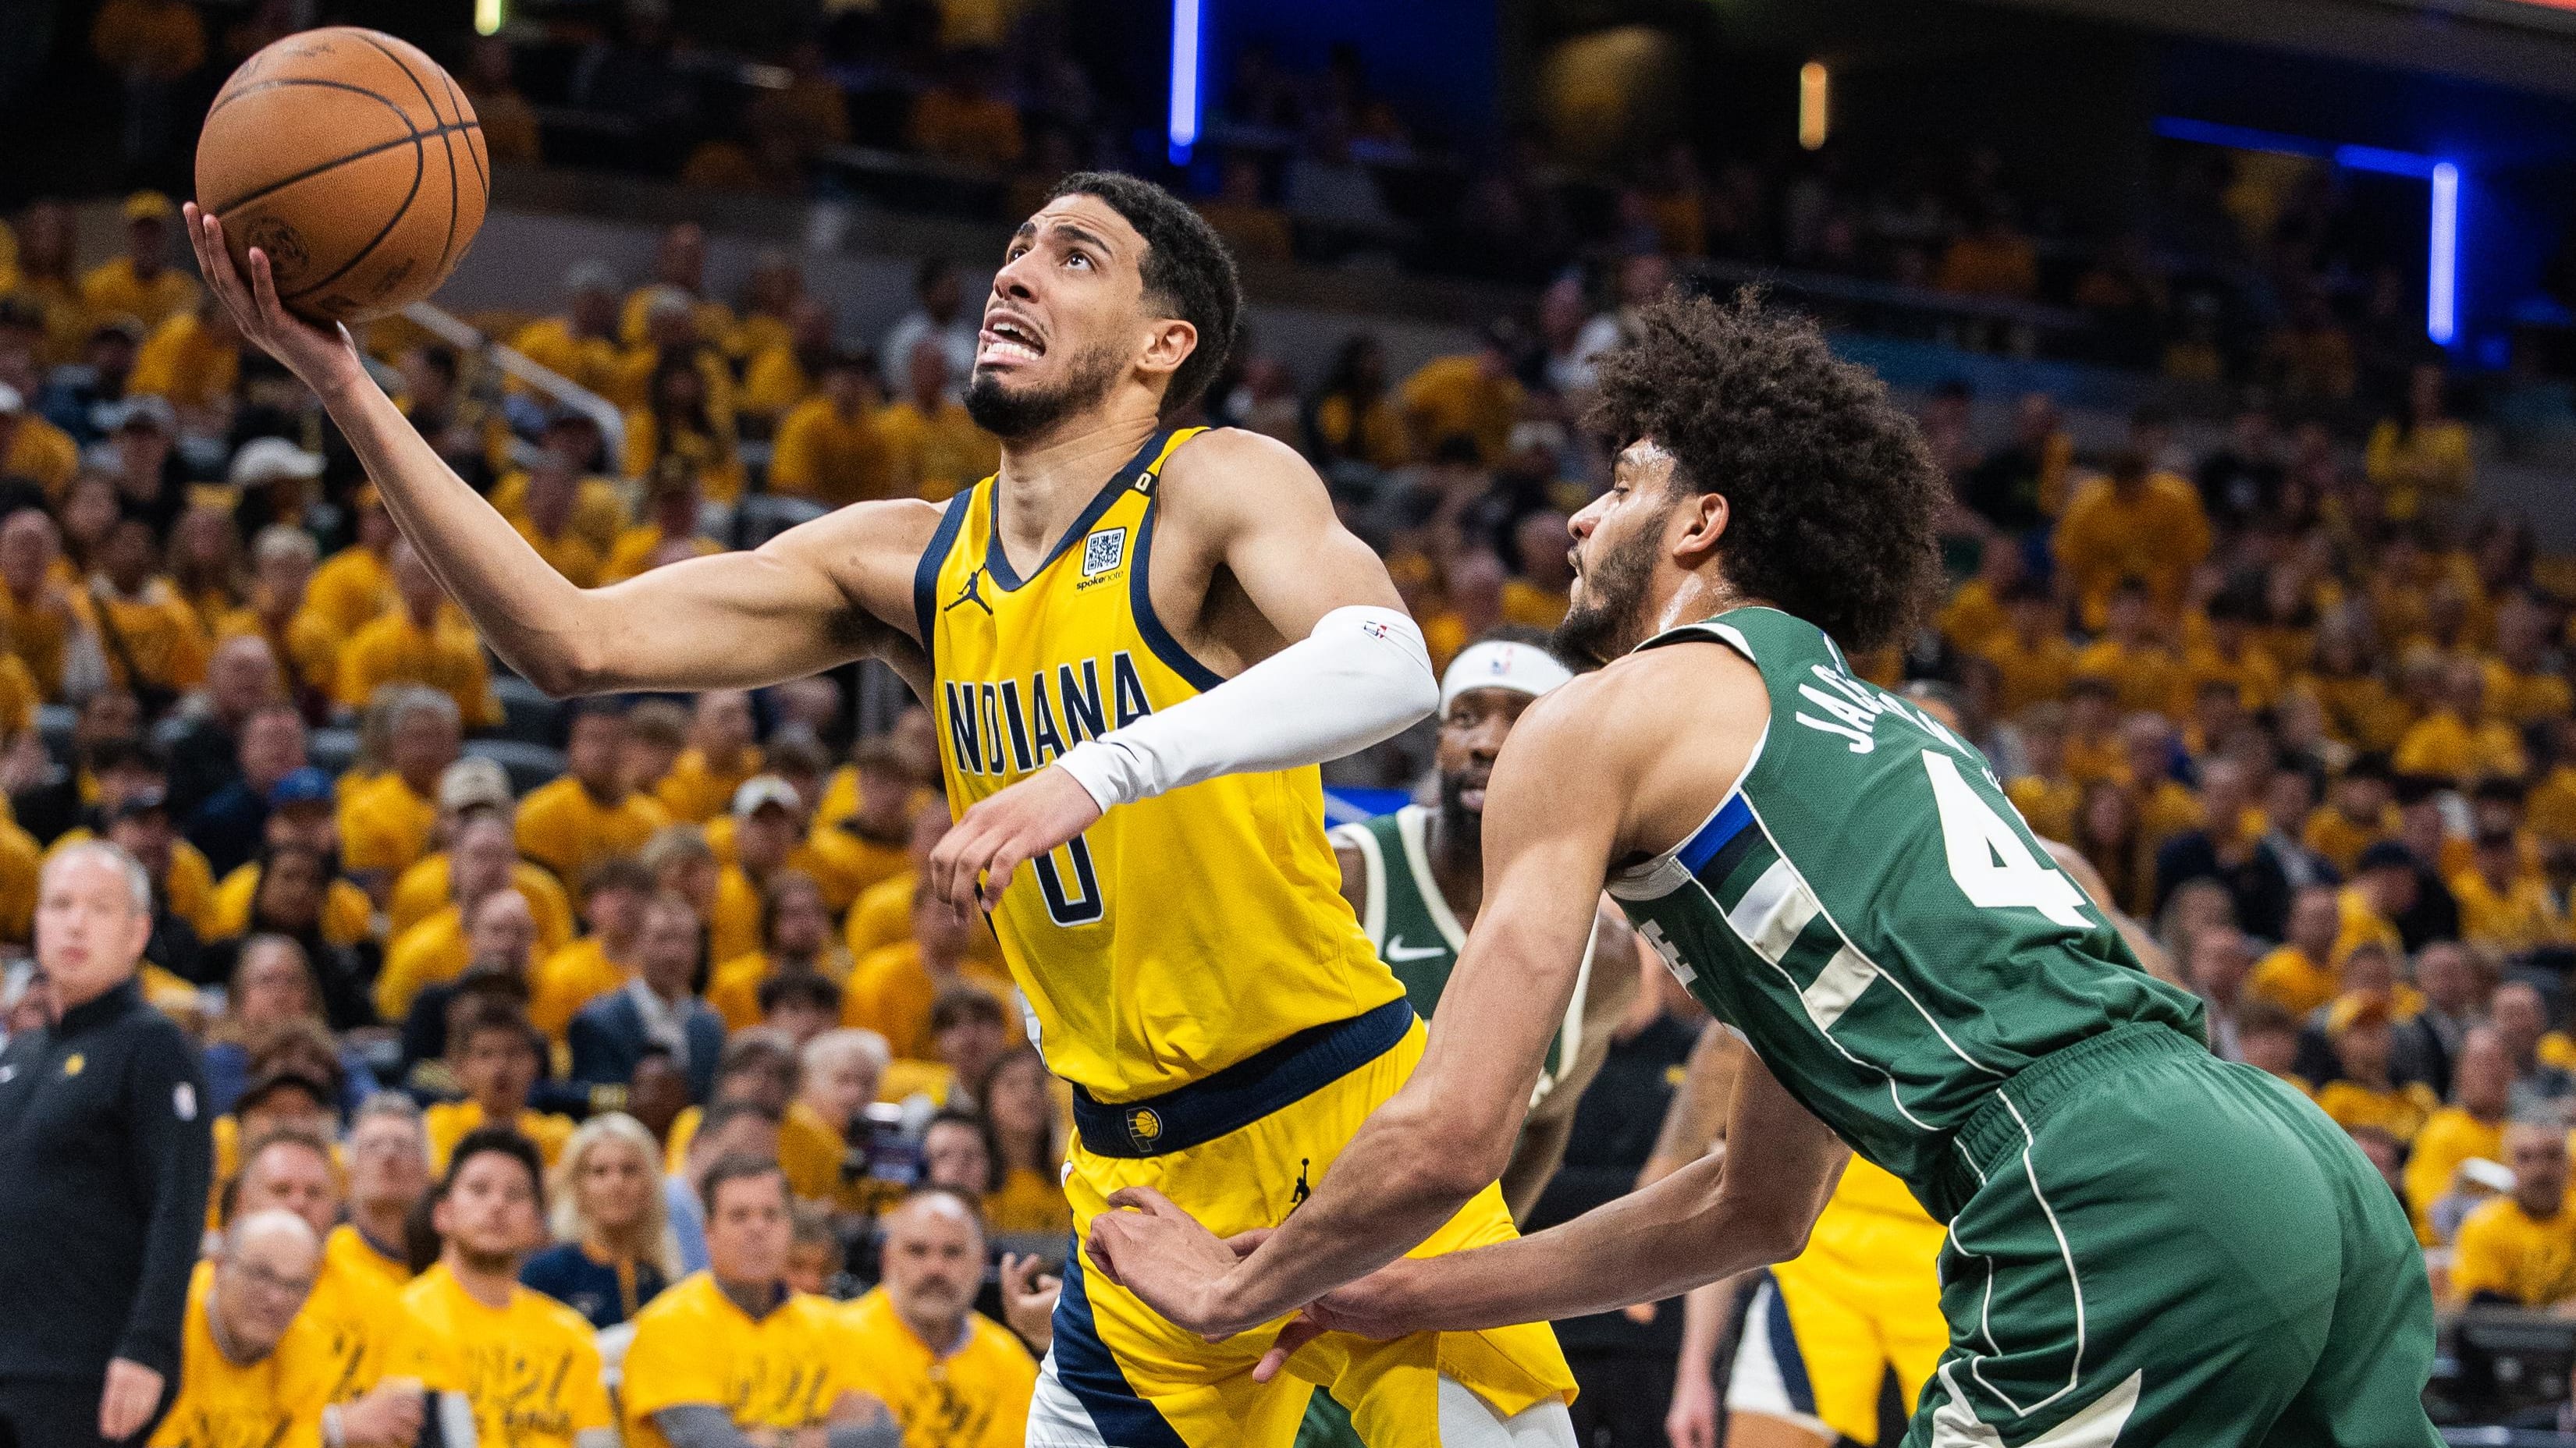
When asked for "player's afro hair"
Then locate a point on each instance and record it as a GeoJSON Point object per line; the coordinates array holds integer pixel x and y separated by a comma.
{"type": "Point", "coordinates": [1831, 492]}
{"type": "Point", "coordinates": [1187, 271]}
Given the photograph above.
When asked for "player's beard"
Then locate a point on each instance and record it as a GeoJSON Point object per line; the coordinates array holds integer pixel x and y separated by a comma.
{"type": "Point", "coordinates": [1013, 414]}
{"type": "Point", "coordinates": [1464, 828]}
{"type": "Point", "coordinates": [1603, 623]}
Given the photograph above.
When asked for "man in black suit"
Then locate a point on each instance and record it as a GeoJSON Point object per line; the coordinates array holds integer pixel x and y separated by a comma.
{"type": "Point", "coordinates": [656, 1007]}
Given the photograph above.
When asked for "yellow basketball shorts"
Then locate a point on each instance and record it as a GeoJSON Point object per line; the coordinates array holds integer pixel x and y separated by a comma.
{"type": "Point", "coordinates": [1824, 1329]}
{"type": "Point", "coordinates": [1140, 1382]}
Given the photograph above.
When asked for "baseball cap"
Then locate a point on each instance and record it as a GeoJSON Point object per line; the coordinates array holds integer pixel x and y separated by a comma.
{"type": "Point", "coordinates": [302, 786]}
{"type": "Point", "coordinates": [145, 411]}
{"type": "Point", "coordinates": [474, 782]}
{"type": "Point", "coordinates": [763, 789]}
{"type": "Point", "coordinates": [263, 459]}
{"type": "Point", "coordinates": [151, 799]}
{"type": "Point", "coordinates": [149, 206]}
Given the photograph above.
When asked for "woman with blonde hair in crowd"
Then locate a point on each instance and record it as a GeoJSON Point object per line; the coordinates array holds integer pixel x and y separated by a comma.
{"type": "Point", "coordinates": [1028, 1192]}
{"type": "Point", "coordinates": [613, 1247]}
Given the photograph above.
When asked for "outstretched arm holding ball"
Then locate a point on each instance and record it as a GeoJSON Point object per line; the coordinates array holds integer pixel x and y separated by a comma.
{"type": "Point", "coordinates": [817, 596]}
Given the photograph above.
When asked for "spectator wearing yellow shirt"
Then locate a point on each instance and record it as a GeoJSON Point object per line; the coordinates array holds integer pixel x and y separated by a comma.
{"type": "Point", "coordinates": [2359, 809]}
{"type": "Point", "coordinates": [831, 448]}
{"type": "Point", "coordinates": [934, 448]}
{"type": "Point", "coordinates": [422, 641]}
{"type": "Point", "coordinates": [32, 448]}
{"type": "Point", "coordinates": [474, 788]}
{"type": "Point", "coordinates": [1991, 258]}
{"type": "Point", "coordinates": [2140, 666]}
{"type": "Point", "coordinates": [2384, 887]}
{"type": "Point", "coordinates": [2300, 975]}
{"type": "Point", "coordinates": [684, 864]}
{"type": "Point", "coordinates": [1977, 609]}
{"type": "Point", "coordinates": [1020, 1106]}
{"type": "Point", "coordinates": [1353, 418]}
{"type": "Point", "coordinates": [2034, 660]}
{"type": "Point", "coordinates": [373, 1347]}
{"type": "Point", "coordinates": [251, 1371]}
{"type": "Point", "coordinates": [387, 820]}
{"type": "Point", "coordinates": [2045, 795]}
{"type": "Point", "coordinates": [759, 1068]}
{"type": "Point", "coordinates": [788, 370]}
{"type": "Point", "coordinates": [2522, 689]}
{"type": "Point", "coordinates": [154, 642]}
{"type": "Point", "coordinates": [1471, 395]}
{"type": "Point", "coordinates": [796, 939]}
{"type": "Point", "coordinates": [547, 518]}
{"type": "Point", "coordinates": [438, 949]}
{"type": "Point", "coordinates": [2137, 524]}
{"type": "Point", "coordinates": [2165, 806]}
{"type": "Point", "coordinates": [497, 1055]}
{"type": "Point", "coordinates": [2520, 1250]}
{"type": "Point", "coordinates": [388, 1155]}
{"type": "Point", "coordinates": [2357, 1025]}
{"type": "Point", "coordinates": [892, 989]}
{"type": "Point", "coordinates": [679, 265]}
{"type": "Point", "coordinates": [192, 358]}
{"type": "Point", "coordinates": [581, 345]}
{"type": "Point", "coordinates": [734, 1347]}
{"type": "Point", "coordinates": [2227, 655]}
{"type": "Point", "coordinates": [301, 640]}
{"type": "Point", "coordinates": [722, 754]}
{"type": "Point", "coordinates": [1536, 596]}
{"type": "Point", "coordinates": [527, 1365]}
{"type": "Point", "coordinates": [2455, 739]}
{"type": "Point", "coordinates": [678, 421]}
{"type": "Point", "coordinates": [141, 284]}
{"type": "Point", "coordinates": [953, 1379]}
{"type": "Point", "coordinates": [2421, 462]}
{"type": "Point", "coordinates": [300, 841]}
{"type": "Point", "coordinates": [614, 894]}
{"type": "Point", "coordinates": [43, 626]}
{"type": "Point", "coordinates": [354, 585]}
{"type": "Point", "coordinates": [573, 439]}
{"type": "Point", "coordinates": [576, 821]}
{"type": "Point", "coordinates": [869, 844]}
{"type": "Point", "coordinates": [2471, 1126]}
{"type": "Point", "coordinates": [2505, 905]}
{"type": "Point", "coordinates": [1254, 230]}
{"type": "Point", "coordinates": [669, 530]}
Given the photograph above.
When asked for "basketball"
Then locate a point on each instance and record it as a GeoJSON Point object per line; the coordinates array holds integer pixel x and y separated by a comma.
{"type": "Point", "coordinates": [354, 162]}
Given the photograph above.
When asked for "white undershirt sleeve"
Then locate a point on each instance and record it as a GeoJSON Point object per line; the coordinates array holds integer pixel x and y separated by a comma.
{"type": "Point", "coordinates": [1362, 676]}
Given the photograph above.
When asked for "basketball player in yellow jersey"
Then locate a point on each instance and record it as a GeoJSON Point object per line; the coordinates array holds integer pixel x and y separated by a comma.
{"type": "Point", "coordinates": [1138, 642]}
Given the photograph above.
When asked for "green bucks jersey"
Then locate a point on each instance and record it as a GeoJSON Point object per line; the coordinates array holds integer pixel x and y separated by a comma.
{"type": "Point", "coordinates": [1871, 912]}
{"type": "Point", "coordinates": [1418, 935]}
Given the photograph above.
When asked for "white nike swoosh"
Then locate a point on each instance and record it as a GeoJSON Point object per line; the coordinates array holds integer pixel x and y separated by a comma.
{"type": "Point", "coordinates": [1397, 954]}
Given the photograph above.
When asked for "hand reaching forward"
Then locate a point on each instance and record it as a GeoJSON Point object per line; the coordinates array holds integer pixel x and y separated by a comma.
{"type": "Point", "coordinates": [973, 864]}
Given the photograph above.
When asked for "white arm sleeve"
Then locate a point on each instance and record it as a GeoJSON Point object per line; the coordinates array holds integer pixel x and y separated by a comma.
{"type": "Point", "coordinates": [1362, 676]}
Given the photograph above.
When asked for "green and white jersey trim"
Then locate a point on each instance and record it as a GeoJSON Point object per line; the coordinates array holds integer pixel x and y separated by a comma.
{"type": "Point", "coordinates": [1419, 937]}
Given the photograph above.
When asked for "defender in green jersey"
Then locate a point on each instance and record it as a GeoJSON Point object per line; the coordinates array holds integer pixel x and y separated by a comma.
{"type": "Point", "coordinates": [1416, 879]}
{"type": "Point", "coordinates": [2145, 1244]}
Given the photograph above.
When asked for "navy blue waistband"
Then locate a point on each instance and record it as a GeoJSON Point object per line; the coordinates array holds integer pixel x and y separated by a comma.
{"type": "Point", "coordinates": [1242, 1093]}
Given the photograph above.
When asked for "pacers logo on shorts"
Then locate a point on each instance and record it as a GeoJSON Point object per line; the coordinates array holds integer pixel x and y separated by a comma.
{"type": "Point", "coordinates": [1143, 1126]}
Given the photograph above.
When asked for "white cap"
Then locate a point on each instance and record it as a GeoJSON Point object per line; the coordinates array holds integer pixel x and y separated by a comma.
{"type": "Point", "coordinates": [763, 789]}
{"type": "Point", "coordinates": [263, 459]}
{"type": "Point", "coordinates": [1501, 664]}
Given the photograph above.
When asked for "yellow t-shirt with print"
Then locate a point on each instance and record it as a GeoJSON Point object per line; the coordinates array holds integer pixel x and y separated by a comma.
{"type": "Point", "coordinates": [530, 1370]}
{"type": "Point", "coordinates": [275, 1402]}
{"type": "Point", "coordinates": [2506, 1251]}
{"type": "Point", "coordinates": [692, 1345]}
{"type": "Point", "coordinates": [970, 1394]}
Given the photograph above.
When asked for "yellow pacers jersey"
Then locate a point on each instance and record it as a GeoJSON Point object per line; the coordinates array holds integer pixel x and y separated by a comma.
{"type": "Point", "coordinates": [1179, 934]}
{"type": "Point", "coordinates": [530, 1370]}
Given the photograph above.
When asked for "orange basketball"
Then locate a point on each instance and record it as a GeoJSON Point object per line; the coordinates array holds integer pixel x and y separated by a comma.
{"type": "Point", "coordinates": [354, 162]}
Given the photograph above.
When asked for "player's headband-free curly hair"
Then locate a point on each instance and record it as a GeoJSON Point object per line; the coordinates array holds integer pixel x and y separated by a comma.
{"type": "Point", "coordinates": [1830, 491]}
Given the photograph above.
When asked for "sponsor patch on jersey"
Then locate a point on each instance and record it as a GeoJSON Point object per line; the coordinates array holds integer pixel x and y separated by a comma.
{"type": "Point", "coordinates": [1103, 551]}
